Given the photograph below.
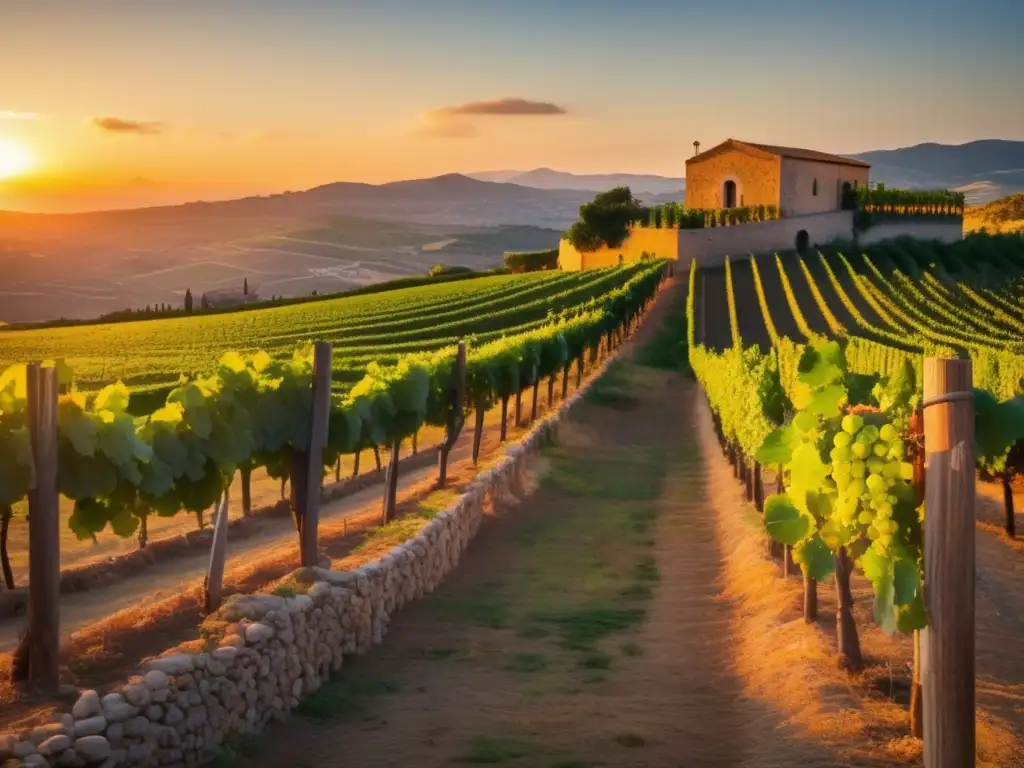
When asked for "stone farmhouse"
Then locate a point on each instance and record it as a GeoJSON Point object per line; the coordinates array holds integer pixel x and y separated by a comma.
{"type": "Point", "coordinates": [804, 188]}
{"type": "Point", "coordinates": [796, 181]}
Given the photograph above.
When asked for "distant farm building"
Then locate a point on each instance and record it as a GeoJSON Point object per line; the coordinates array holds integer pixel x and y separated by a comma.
{"type": "Point", "coordinates": [227, 297]}
{"type": "Point", "coordinates": [736, 174]}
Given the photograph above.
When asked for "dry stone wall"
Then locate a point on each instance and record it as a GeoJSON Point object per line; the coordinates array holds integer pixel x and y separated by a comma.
{"type": "Point", "coordinates": [181, 708]}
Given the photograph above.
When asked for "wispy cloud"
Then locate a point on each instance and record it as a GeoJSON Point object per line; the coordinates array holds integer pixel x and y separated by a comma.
{"type": "Point", "coordinates": [6, 114]}
{"type": "Point", "coordinates": [454, 121]}
{"type": "Point", "coordinates": [120, 125]}
{"type": "Point", "coordinates": [507, 106]}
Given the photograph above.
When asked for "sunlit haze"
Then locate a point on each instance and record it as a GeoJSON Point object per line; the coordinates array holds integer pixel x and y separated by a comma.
{"type": "Point", "coordinates": [126, 104]}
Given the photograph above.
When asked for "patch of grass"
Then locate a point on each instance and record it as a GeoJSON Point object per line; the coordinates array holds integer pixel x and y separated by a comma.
{"type": "Point", "coordinates": [647, 570]}
{"type": "Point", "coordinates": [636, 592]}
{"type": "Point", "coordinates": [285, 590]}
{"type": "Point", "coordinates": [393, 533]}
{"type": "Point", "coordinates": [534, 631]}
{"type": "Point", "coordinates": [630, 740]}
{"type": "Point", "coordinates": [247, 744]}
{"type": "Point", "coordinates": [612, 389]}
{"type": "Point", "coordinates": [632, 649]}
{"type": "Point", "coordinates": [492, 612]}
{"type": "Point", "coordinates": [669, 349]}
{"type": "Point", "coordinates": [491, 750]}
{"type": "Point", "coordinates": [596, 661]}
{"type": "Point", "coordinates": [582, 627]}
{"type": "Point", "coordinates": [439, 654]}
{"type": "Point", "coordinates": [344, 697]}
{"type": "Point", "coordinates": [528, 662]}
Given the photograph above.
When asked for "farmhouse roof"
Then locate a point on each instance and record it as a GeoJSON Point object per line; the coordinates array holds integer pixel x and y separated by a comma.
{"type": "Point", "coordinates": [771, 149]}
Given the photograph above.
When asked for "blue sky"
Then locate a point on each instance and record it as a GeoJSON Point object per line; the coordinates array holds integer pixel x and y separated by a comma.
{"type": "Point", "coordinates": [343, 89]}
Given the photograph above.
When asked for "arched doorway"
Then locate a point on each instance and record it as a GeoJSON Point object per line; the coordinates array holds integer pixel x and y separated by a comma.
{"type": "Point", "coordinates": [846, 201]}
{"type": "Point", "coordinates": [803, 241]}
{"type": "Point", "coordinates": [729, 194]}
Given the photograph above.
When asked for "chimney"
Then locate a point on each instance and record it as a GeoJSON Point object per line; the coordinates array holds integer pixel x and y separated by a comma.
{"type": "Point", "coordinates": [696, 148]}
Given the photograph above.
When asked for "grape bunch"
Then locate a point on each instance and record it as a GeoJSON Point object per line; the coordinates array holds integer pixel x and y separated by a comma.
{"type": "Point", "coordinates": [871, 479]}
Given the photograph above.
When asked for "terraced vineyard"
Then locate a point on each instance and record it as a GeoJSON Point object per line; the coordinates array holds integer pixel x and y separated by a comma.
{"type": "Point", "coordinates": [907, 296]}
{"type": "Point", "coordinates": [377, 327]}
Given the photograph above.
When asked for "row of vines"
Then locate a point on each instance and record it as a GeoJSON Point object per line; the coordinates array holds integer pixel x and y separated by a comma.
{"type": "Point", "coordinates": [838, 424]}
{"type": "Point", "coordinates": [254, 411]}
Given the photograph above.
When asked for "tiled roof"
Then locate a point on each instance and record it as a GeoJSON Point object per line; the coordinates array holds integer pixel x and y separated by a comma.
{"type": "Point", "coordinates": [793, 152]}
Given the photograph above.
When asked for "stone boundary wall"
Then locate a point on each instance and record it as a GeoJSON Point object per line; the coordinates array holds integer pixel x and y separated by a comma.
{"type": "Point", "coordinates": [181, 708]}
{"type": "Point", "coordinates": [943, 231]}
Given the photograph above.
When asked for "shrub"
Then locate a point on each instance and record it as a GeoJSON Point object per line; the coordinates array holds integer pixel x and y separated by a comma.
{"type": "Point", "coordinates": [604, 221]}
{"type": "Point", "coordinates": [447, 269]}
{"type": "Point", "coordinates": [531, 261]}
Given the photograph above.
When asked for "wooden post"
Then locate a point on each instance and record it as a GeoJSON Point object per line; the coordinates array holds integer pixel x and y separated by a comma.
{"type": "Point", "coordinates": [478, 431]}
{"type": "Point", "coordinates": [565, 380]}
{"type": "Point", "coordinates": [456, 420]}
{"type": "Point", "coordinates": [551, 391]}
{"type": "Point", "coordinates": [947, 645]}
{"type": "Point", "coordinates": [1011, 520]}
{"type": "Point", "coordinates": [218, 553]}
{"type": "Point", "coordinates": [319, 419]}
{"type": "Point", "coordinates": [415, 442]}
{"type": "Point", "coordinates": [245, 471]}
{"type": "Point", "coordinates": [43, 532]}
{"type": "Point", "coordinates": [758, 489]}
{"type": "Point", "coordinates": [533, 405]}
{"type": "Point", "coordinates": [376, 456]}
{"type": "Point", "coordinates": [355, 463]}
{"type": "Point", "coordinates": [519, 408]}
{"type": "Point", "coordinates": [391, 484]}
{"type": "Point", "coordinates": [504, 419]}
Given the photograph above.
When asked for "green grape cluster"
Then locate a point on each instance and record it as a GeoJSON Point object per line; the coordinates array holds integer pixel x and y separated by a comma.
{"type": "Point", "coordinates": [871, 478]}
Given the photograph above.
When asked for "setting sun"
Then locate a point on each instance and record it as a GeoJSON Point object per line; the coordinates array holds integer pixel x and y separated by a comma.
{"type": "Point", "coordinates": [15, 158]}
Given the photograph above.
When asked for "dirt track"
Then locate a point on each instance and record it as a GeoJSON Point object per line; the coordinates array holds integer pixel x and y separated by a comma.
{"type": "Point", "coordinates": [584, 627]}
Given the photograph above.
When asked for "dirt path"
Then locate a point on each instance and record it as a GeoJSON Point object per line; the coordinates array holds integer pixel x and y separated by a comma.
{"type": "Point", "coordinates": [584, 626]}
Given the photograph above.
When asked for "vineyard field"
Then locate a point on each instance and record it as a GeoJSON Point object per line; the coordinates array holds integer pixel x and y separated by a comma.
{"type": "Point", "coordinates": [372, 328]}
{"type": "Point", "coordinates": [966, 299]}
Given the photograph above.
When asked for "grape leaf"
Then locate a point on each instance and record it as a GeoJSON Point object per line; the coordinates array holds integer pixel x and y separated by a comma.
{"type": "Point", "coordinates": [783, 521]}
{"type": "Point", "coordinates": [885, 609]}
{"type": "Point", "coordinates": [906, 581]}
{"type": "Point", "coordinates": [816, 559]}
{"type": "Point", "coordinates": [777, 448]}
{"type": "Point", "coordinates": [113, 397]}
{"type": "Point", "coordinates": [912, 617]}
{"type": "Point", "coordinates": [827, 400]}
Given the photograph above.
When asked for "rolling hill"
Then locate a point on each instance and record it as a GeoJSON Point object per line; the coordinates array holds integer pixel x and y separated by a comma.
{"type": "Point", "coordinates": [547, 178]}
{"type": "Point", "coordinates": [984, 170]}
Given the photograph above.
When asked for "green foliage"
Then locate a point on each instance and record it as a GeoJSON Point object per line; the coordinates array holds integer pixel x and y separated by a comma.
{"type": "Point", "coordinates": [881, 202]}
{"type": "Point", "coordinates": [531, 261]}
{"type": "Point", "coordinates": [255, 411]}
{"type": "Point", "coordinates": [440, 270]}
{"type": "Point", "coordinates": [604, 221]}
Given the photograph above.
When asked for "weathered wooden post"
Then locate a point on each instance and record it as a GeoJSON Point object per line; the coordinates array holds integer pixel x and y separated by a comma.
{"type": "Point", "coordinates": [319, 419]}
{"type": "Point", "coordinates": [947, 645]}
{"type": "Point", "coordinates": [218, 554]}
{"type": "Point", "coordinates": [43, 532]}
{"type": "Point", "coordinates": [391, 484]}
{"type": "Point", "coordinates": [456, 420]}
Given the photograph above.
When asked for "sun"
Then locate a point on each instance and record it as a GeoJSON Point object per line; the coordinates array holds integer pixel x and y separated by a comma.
{"type": "Point", "coordinates": [15, 158]}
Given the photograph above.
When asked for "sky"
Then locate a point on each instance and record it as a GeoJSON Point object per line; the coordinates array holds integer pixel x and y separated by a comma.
{"type": "Point", "coordinates": [131, 102]}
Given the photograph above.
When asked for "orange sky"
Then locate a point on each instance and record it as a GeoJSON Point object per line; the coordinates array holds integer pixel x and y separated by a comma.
{"type": "Point", "coordinates": [153, 102]}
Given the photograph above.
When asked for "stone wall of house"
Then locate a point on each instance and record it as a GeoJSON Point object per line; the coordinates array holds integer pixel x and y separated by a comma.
{"type": "Point", "coordinates": [181, 708]}
{"type": "Point", "coordinates": [709, 247]}
{"type": "Point", "coordinates": [757, 179]}
{"type": "Point", "coordinates": [797, 185]}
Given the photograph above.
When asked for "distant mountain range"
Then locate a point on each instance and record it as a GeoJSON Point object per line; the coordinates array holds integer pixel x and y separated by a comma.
{"type": "Point", "coordinates": [548, 178]}
{"type": "Point", "coordinates": [984, 170]}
